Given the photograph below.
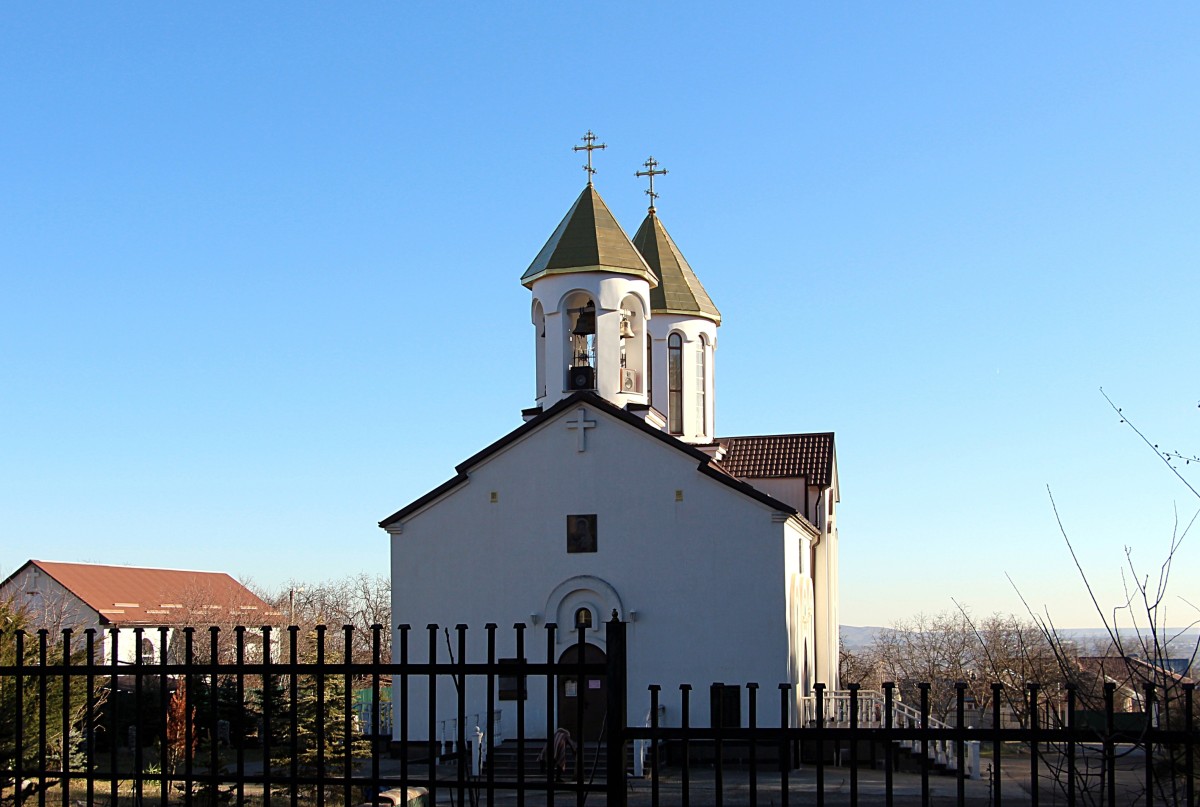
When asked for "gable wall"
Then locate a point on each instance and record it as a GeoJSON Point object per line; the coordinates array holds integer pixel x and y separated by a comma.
{"type": "Point", "coordinates": [706, 576]}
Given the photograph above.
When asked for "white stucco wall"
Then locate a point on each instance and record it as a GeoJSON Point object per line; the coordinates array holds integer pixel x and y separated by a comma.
{"type": "Point", "coordinates": [707, 576]}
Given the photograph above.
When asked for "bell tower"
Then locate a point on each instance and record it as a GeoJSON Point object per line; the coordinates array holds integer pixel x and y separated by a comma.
{"type": "Point", "coordinates": [682, 333]}
{"type": "Point", "coordinates": [591, 304]}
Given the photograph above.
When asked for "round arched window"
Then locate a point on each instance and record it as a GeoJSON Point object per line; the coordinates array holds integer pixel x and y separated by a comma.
{"type": "Point", "coordinates": [583, 618]}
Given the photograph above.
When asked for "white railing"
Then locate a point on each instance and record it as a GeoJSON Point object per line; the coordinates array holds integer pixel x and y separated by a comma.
{"type": "Point", "coordinates": [473, 724]}
{"type": "Point", "coordinates": [642, 747]}
{"type": "Point", "coordinates": [871, 714]}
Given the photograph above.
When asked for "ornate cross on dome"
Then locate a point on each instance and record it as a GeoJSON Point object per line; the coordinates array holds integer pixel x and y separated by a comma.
{"type": "Point", "coordinates": [589, 146]}
{"type": "Point", "coordinates": [652, 172]}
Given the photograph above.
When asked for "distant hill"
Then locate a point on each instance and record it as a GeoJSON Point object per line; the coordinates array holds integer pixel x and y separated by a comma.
{"type": "Point", "coordinates": [855, 638]}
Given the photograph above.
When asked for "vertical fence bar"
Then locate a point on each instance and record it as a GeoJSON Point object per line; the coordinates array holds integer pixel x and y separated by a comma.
{"type": "Point", "coordinates": [432, 630]}
{"type": "Point", "coordinates": [618, 711]}
{"type": "Point", "coordinates": [1034, 765]}
{"type": "Point", "coordinates": [64, 781]}
{"type": "Point", "coordinates": [347, 713]}
{"type": "Point", "coordinates": [819, 699]}
{"type": "Point", "coordinates": [1148, 703]}
{"type": "Point", "coordinates": [960, 693]}
{"type": "Point", "coordinates": [214, 712]}
{"type": "Point", "coordinates": [997, 745]}
{"type": "Point", "coordinates": [65, 742]}
{"type": "Point", "coordinates": [294, 713]}
{"type": "Point", "coordinates": [488, 727]}
{"type": "Point", "coordinates": [654, 745]}
{"type": "Point", "coordinates": [165, 759]}
{"type": "Point", "coordinates": [189, 716]}
{"type": "Point", "coordinates": [319, 673]}
{"type": "Point", "coordinates": [924, 689]}
{"type": "Point", "coordinates": [548, 750]}
{"type": "Point", "coordinates": [43, 687]}
{"type": "Point", "coordinates": [519, 627]}
{"type": "Point", "coordinates": [580, 688]}
{"type": "Point", "coordinates": [237, 734]}
{"type": "Point", "coordinates": [889, 750]}
{"type": "Point", "coordinates": [1189, 742]}
{"type": "Point", "coordinates": [1110, 750]}
{"type": "Point", "coordinates": [460, 739]}
{"type": "Point", "coordinates": [1071, 770]}
{"type": "Point", "coordinates": [403, 628]}
{"type": "Point", "coordinates": [376, 663]}
{"type": "Point", "coordinates": [522, 694]}
{"type": "Point", "coordinates": [752, 722]}
{"type": "Point", "coordinates": [716, 700]}
{"type": "Point", "coordinates": [114, 733]}
{"type": "Point", "coordinates": [551, 689]}
{"type": "Point", "coordinates": [685, 691]}
{"type": "Point", "coordinates": [90, 732]}
{"type": "Point", "coordinates": [19, 733]}
{"type": "Point", "coordinates": [784, 753]}
{"type": "Point", "coordinates": [853, 745]}
{"type": "Point", "coordinates": [139, 770]}
{"type": "Point", "coordinates": [268, 707]}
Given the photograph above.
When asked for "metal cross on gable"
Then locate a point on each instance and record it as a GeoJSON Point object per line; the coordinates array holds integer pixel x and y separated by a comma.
{"type": "Point", "coordinates": [652, 172]}
{"type": "Point", "coordinates": [589, 146]}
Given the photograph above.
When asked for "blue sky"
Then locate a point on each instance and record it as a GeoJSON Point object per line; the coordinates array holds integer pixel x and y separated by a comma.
{"type": "Point", "coordinates": [259, 268]}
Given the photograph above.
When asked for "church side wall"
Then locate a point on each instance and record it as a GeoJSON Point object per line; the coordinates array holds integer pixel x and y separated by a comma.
{"type": "Point", "coordinates": [701, 581]}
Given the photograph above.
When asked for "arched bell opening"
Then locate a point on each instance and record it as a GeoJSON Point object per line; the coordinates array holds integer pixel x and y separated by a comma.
{"type": "Point", "coordinates": [539, 336]}
{"type": "Point", "coordinates": [579, 313]}
{"type": "Point", "coordinates": [632, 337]}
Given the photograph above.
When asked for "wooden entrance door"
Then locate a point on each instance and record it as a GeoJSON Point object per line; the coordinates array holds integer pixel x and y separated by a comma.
{"type": "Point", "coordinates": [591, 692]}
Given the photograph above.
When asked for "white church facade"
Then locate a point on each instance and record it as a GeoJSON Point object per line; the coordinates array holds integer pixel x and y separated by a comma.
{"type": "Point", "coordinates": [617, 496]}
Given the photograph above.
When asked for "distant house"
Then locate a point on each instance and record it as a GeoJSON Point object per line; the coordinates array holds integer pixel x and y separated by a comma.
{"type": "Point", "coordinates": [118, 600]}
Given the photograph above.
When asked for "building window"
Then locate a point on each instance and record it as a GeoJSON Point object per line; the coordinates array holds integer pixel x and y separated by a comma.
{"type": "Point", "coordinates": [581, 533]}
{"type": "Point", "coordinates": [675, 384]}
{"type": "Point", "coordinates": [583, 618]}
{"type": "Point", "coordinates": [701, 385]}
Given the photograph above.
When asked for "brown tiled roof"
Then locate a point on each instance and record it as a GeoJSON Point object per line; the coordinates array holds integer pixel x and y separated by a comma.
{"type": "Point", "coordinates": [780, 455]}
{"type": "Point", "coordinates": [134, 595]}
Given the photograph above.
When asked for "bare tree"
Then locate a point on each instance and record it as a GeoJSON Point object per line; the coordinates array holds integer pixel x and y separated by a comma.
{"type": "Point", "coordinates": [361, 601]}
{"type": "Point", "coordinates": [1134, 670]}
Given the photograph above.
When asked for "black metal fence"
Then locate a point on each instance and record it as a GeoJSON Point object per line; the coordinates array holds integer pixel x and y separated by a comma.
{"type": "Point", "coordinates": [261, 718]}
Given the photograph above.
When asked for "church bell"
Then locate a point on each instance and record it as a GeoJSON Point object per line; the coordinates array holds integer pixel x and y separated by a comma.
{"type": "Point", "coordinates": [585, 324]}
{"type": "Point", "coordinates": [626, 329]}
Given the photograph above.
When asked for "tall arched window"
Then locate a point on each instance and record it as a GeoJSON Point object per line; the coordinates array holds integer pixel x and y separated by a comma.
{"type": "Point", "coordinates": [701, 385]}
{"type": "Point", "coordinates": [649, 369]}
{"type": "Point", "coordinates": [675, 383]}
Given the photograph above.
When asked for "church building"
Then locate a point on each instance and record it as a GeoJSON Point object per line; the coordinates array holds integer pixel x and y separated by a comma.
{"type": "Point", "coordinates": [617, 494]}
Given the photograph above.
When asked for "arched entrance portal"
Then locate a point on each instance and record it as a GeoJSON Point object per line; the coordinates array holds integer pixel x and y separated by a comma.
{"type": "Point", "coordinates": [581, 704]}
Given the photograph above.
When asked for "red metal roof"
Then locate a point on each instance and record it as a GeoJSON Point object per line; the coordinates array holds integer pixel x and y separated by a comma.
{"type": "Point", "coordinates": [780, 455]}
{"type": "Point", "coordinates": [134, 595]}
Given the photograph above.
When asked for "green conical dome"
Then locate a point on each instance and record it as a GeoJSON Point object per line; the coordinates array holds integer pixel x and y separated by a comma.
{"type": "Point", "coordinates": [678, 290]}
{"type": "Point", "coordinates": [588, 240]}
